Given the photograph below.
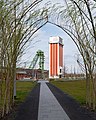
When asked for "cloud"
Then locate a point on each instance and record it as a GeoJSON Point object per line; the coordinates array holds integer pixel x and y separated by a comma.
{"type": "Point", "coordinates": [56, 1]}
{"type": "Point", "coordinates": [42, 38]}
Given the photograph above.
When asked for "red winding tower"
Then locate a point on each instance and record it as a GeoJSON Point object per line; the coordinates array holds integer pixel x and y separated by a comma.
{"type": "Point", "coordinates": [55, 57]}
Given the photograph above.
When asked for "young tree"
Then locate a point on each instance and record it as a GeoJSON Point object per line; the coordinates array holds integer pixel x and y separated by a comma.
{"type": "Point", "coordinates": [19, 20]}
{"type": "Point", "coordinates": [78, 19]}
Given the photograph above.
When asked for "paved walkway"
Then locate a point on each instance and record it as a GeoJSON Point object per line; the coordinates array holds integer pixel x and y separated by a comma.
{"type": "Point", "coordinates": [42, 104]}
{"type": "Point", "coordinates": [49, 108]}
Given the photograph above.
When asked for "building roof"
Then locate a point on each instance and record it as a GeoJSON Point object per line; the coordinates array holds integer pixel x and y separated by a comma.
{"type": "Point", "coordinates": [21, 72]}
{"type": "Point", "coordinates": [56, 39]}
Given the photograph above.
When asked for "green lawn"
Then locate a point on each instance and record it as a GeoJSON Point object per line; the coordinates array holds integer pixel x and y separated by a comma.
{"type": "Point", "coordinates": [23, 89]}
{"type": "Point", "coordinates": [77, 89]}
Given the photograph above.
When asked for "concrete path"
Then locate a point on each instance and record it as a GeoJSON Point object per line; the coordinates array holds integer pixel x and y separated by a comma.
{"type": "Point", "coordinates": [49, 108]}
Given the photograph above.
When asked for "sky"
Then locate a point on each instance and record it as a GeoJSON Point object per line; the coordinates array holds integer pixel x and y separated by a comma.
{"type": "Point", "coordinates": [40, 41]}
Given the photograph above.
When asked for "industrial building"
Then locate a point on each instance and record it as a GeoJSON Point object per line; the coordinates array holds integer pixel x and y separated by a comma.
{"type": "Point", "coordinates": [35, 74]}
{"type": "Point", "coordinates": [55, 57]}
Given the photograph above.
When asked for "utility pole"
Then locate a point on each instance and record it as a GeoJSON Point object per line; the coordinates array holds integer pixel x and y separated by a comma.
{"type": "Point", "coordinates": [71, 72]}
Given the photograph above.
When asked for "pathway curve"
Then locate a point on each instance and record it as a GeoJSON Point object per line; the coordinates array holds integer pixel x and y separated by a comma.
{"type": "Point", "coordinates": [49, 108]}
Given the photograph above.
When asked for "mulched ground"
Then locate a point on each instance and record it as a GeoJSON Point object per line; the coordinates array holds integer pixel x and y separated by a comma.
{"type": "Point", "coordinates": [72, 108]}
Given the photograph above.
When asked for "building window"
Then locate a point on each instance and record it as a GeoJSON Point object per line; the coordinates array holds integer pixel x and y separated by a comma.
{"type": "Point", "coordinates": [60, 70]}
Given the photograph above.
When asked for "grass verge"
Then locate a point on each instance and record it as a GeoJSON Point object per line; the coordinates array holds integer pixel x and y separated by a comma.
{"type": "Point", "coordinates": [76, 89]}
{"type": "Point", "coordinates": [22, 90]}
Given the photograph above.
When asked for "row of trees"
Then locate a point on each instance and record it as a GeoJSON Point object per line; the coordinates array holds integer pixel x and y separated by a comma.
{"type": "Point", "coordinates": [19, 20]}
{"type": "Point", "coordinates": [78, 19]}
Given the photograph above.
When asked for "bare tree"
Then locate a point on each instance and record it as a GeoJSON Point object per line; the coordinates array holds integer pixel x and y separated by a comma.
{"type": "Point", "coordinates": [19, 20]}
{"type": "Point", "coordinates": [78, 19]}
